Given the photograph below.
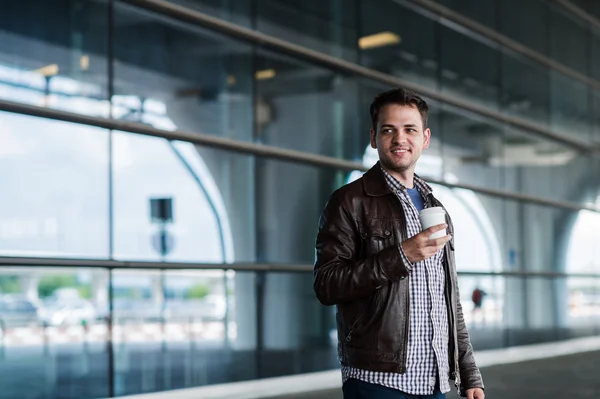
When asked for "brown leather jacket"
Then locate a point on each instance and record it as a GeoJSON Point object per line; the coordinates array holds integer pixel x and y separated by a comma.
{"type": "Point", "coordinates": [358, 267]}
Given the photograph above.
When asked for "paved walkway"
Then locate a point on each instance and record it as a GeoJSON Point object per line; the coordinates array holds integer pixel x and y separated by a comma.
{"type": "Point", "coordinates": [572, 376]}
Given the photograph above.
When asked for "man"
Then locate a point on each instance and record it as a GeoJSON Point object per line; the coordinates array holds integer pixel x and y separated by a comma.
{"type": "Point", "coordinates": [400, 323]}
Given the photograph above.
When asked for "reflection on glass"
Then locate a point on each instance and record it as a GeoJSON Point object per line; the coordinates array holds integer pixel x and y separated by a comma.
{"type": "Point", "coordinates": [329, 28]}
{"type": "Point", "coordinates": [570, 107]}
{"type": "Point", "coordinates": [199, 229]}
{"type": "Point", "coordinates": [482, 300]}
{"type": "Point", "coordinates": [583, 301]}
{"type": "Point", "coordinates": [177, 329]}
{"type": "Point", "coordinates": [528, 23]}
{"type": "Point", "coordinates": [574, 52]}
{"type": "Point", "coordinates": [525, 87]}
{"type": "Point", "coordinates": [470, 69]}
{"type": "Point", "coordinates": [304, 107]}
{"type": "Point", "coordinates": [412, 57]}
{"type": "Point", "coordinates": [53, 327]}
{"type": "Point", "coordinates": [483, 12]}
{"type": "Point", "coordinates": [55, 56]}
{"type": "Point", "coordinates": [595, 115]}
{"type": "Point", "coordinates": [208, 89]}
{"type": "Point", "coordinates": [238, 12]}
{"type": "Point", "coordinates": [54, 200]}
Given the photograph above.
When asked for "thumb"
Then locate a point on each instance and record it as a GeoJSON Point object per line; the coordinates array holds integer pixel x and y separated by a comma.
{"type": "Point", "coordinates": [470, 394]}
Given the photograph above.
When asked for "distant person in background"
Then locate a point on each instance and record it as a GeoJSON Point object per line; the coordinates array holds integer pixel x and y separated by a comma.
{"type": "Point", "coordinates": [477, 297]}
{"type": "Point", "coordinates": [400, 324]}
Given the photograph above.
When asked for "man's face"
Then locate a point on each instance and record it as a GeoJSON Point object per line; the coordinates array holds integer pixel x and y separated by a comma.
{"type": "Point", "coordinates": [400, 137]}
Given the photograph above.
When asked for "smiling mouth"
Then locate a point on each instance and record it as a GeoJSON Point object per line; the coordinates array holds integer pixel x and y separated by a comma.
{"type": "Point", "coordinates": [400, 151]}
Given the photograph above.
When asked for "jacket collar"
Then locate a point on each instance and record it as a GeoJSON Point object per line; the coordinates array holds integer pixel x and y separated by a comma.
{"type": "Point", "coordinates": [374, 182]}
{"type": "Point", "coordinates": [375, 185]}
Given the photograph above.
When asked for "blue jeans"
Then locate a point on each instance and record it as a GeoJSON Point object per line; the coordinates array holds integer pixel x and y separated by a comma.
{"type": "Point", "coordinates": [357, 389]}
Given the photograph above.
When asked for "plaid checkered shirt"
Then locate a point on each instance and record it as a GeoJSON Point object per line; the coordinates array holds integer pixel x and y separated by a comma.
{"type": "Point", "coordinates": [428, 330]}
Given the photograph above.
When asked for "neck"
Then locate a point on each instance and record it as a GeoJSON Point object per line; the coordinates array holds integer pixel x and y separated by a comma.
{"type": "Point", "coordinates": [407, 177]}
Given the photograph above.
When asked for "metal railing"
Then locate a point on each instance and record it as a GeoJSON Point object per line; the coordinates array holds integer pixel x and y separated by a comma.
{"type": "Point", "coordinates": [447, 14]}
{"type": "Point", "coordinates": [238, 267]}
{"type": "Point", "coordinates": [261, 150]}
{"type": "Point", "coordinates": [184, 14]}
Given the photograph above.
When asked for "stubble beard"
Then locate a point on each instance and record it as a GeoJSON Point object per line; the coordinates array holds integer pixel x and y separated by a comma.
{"type": "Point", "coordinates": [389, 165]}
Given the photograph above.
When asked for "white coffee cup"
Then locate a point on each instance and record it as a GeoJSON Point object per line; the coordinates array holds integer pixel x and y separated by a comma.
{"type": "Point", "coordinates": [432, 217]}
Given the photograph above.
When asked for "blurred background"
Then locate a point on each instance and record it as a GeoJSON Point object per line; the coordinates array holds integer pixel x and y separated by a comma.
{"type": "Point", "coordinates": [164, 165]}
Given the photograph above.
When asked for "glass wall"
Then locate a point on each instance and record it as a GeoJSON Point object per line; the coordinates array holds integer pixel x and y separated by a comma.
{"type": "Point", "coordinates": [187, 299]}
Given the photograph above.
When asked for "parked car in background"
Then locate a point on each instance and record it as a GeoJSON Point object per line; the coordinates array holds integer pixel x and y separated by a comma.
{"type": "Point", "coordinates": [16, 311]}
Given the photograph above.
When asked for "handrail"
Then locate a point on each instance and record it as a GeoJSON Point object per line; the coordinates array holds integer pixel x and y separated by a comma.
{"type": "Point", "coordinates": [580, 12]}
{"type": "Point", "coordinates": [181, 13]}
{"type": "Point", "coordinates": [456, 18]}
{"type": "Point", "coordinates": [238, 267]}
{"type": "Point", "coordinates": [258, 150]}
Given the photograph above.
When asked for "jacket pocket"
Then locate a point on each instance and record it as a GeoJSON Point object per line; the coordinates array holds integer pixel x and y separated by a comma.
{"type": "Point", "coordinates": [367, 322]}
{"type": "Point", "coordinates": [377, 234]}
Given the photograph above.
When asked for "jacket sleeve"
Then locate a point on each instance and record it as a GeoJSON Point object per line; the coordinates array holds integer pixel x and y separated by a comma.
{"type": "Point", "coordinates": [338, 275]}
{"type": "Point", "coordinates": [470, 375]}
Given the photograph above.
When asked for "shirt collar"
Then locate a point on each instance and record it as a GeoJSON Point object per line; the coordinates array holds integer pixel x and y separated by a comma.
{"type": "Point", "coordinates": [394, 184]}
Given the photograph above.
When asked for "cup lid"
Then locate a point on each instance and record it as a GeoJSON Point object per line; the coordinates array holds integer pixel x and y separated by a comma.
{"type": "Point", "coordinates": [432, 210]}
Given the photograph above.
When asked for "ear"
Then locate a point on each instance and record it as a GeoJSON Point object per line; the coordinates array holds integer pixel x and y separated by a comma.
{"type": "Point", "coordinates": [426, 138]}
{"type": "Point", "coordinates": [373, 142]}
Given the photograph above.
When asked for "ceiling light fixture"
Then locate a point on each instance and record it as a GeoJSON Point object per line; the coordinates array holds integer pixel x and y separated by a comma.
{"type": "Point", "coordinates": [378, 40]}
{"type": "Point", "coordinates": [48, 70]}
{"type": "Point", "coordinates": [84, 62]}
{"type": "Point", "coordinates": [265, 74]}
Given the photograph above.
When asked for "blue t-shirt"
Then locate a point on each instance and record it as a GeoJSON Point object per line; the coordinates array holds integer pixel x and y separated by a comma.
{"type": "Point", "coordinates": [416, 198]}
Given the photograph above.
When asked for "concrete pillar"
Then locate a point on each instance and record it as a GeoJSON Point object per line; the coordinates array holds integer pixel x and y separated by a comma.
{"type": "Point", "coordinates": [245, 314]}
{"type": "Point", "coordinates": [157, 291]}
{"type": "Point", "coordinates": [29, 285]}
{"type": "Point", "coordinates": [100, 289]}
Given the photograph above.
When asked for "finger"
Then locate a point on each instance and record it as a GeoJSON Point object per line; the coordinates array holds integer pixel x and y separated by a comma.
{"type": "Point", "coordinates": [480, 395]}
{"type": "Point", "coordinates": [438, 227]}
{"type": "Point", "coordinates": [439, 242]}
{"type": "Point", "coordinates": [470, 394]}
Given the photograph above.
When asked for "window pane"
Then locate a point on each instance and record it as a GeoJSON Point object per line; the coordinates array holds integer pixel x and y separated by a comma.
{"type": "Point", "coordinates": [179, 329]}
{"type": "Point", "coordinates": [290, 199]}
{"type": "Point", "coordinates": [211, 217]}
{"type": "Point", "coordinates": [54, 201]}
{"type": "Point", "coordinates": [239, 11]}
{"type": "Point", "coordinates": [569, 38]}
{"type": "Point", "coordinates": [53, 334]}
{"type": "Point", "coordinates": [305, 108]}
{"type": "Point", "coordinates": [482, 300]}
{"type": "Point", "coordinates": [482, 12]}
{"type": "Point", "coordinates": [328, 27]}
{"type": "Point", "coordinates": [54, 55]}
{"type": "Point", "coordinates": [595, 114]}
{"type": "Point", "coordinates": [473, 149]}
{"type": "Point", "coordinates": [200, 80]}
{"type": "Point", "coordinates": [595, 52]}
{"type": "Point", "coordinates": [532, 242]}
{"type": "Point", "coordinates": [526, 22]}
{"type": "Point", "coordinates": [525, 89]}
{"type": "Point", "coordinates": [299, 333]}
{"type": "Point", "coordinates": [570, 107]}
{"type": "Point", "coordinates": [408, 48]}
{"type": "Point", "coordinates": [470, 69]}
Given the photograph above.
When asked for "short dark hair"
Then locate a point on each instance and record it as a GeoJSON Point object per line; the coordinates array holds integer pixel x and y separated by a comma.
{"type": "Point", "coordinates": [398, 96]}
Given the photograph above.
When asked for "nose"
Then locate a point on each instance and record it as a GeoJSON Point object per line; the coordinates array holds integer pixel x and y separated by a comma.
{"type": "Point", "coordinates": [399, 137]}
